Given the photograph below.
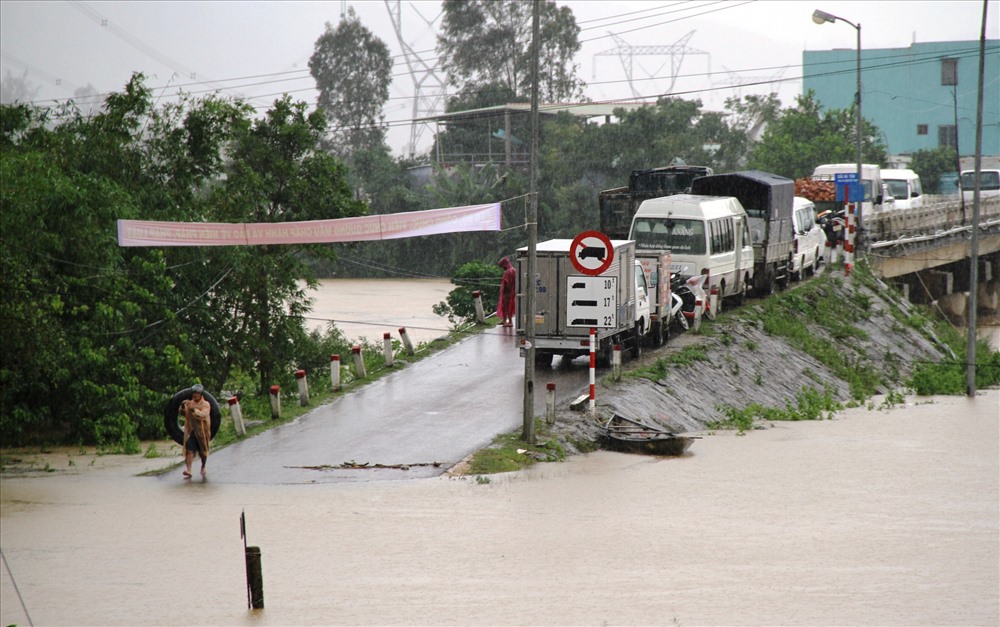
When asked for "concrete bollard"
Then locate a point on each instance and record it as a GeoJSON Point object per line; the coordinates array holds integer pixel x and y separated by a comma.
{"type": "Point", "coordinates": [713, 301]}
{"type": "Point", "coordinates": [477, 300]}
{"type": "Point", "coordinates": [275, 402]}
{"type": "Point", "coordinates": [335, 372]}
{"type": "Point", "coordinates": [255, 577]}
{"type": "Point", "coordinates": [550, 403]}
{"type": "Point", "coordinates": [387, 348]}
{"type": "Point", "coordinates": [303, 387]}
{"type": "Point", "coordinates": [359, 362]}
{"type": "Point", "coordinates": [407, 344]}
{"type": "Point", "coordinates": [237, 414]}
{"type": "Point", "coordinates": [616, 362]}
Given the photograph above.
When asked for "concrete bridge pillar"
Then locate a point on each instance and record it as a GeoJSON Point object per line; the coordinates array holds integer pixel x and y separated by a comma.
{"type": "Point", "coordinates": [953, 306]}
{"type": "Point", "coordinates": [988, 297]}
{"type": "Point", "coordinates": [936, 284]}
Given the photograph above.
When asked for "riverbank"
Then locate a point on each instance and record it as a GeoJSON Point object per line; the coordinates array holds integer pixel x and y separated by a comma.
{"type": "Point", "coordinates": [826, 344]}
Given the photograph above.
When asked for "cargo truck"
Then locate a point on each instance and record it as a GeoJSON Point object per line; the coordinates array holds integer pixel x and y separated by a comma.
{"type": "Point", "coordinates": [617, 206]}
{"type": "Point", "coordinates": [767, 199]}
{"type": "Point", "coordinates": [569, 303]}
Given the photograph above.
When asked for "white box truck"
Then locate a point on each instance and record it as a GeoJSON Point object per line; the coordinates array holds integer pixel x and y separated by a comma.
{"type": "Point", "coordinates": [568, 303]}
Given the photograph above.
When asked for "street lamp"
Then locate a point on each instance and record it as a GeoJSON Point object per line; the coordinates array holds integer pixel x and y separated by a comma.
{"type": "Point", "coordinates": [821, 17]}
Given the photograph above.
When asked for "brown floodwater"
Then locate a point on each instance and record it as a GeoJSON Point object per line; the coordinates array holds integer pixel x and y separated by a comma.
{"type": "Point", "coordinates": [371, 307]}
{"type": "Point", "coordinates": [879, 516]}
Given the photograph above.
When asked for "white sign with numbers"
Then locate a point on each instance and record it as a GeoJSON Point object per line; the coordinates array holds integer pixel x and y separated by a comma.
{"type": "Point", "coordinates": [592, 301]}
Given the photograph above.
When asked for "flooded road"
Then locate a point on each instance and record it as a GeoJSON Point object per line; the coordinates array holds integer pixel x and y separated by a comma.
{"type": "Point", "coordinates": [876, 517]}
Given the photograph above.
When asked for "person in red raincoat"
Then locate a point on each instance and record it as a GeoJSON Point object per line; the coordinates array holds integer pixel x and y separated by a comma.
{"type": "Point", "coordinates": [505, 306]}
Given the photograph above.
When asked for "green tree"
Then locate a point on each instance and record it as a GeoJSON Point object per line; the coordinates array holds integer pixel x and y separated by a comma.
{"type": "Point", "coordinates": [485, 42]}
{"type": "Point", "coordinates": [805, 136]}
{"type": "Point", "coordinates": [90, 343]}
{"type": "Point", "coordinates": [930, 164]}
{"type": "Point", "coordinates": [353, 69]}
{"type": "Point", "coordinates": [277, 173]}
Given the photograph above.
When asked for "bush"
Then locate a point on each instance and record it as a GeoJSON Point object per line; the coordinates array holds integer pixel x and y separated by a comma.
{"type": "Point", "coordinates": [470, 277]}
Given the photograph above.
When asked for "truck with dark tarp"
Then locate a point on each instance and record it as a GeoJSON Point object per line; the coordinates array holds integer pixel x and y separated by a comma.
{"type": "Point", "coordinates": [617, 206]}
{"type": "Point", "coordinates": [767, 199]}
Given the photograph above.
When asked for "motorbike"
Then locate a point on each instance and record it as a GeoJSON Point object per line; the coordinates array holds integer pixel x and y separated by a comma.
{"type": "Point", "coordinates": [685, 294]}
{"type": "Point", "coordinates": [834, 225]}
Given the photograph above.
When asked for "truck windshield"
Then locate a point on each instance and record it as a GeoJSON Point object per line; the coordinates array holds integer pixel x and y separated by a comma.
{"type": "Point", "coordinates": [898, 189]}
{"type": "Point", "coordinates": [680, 236]}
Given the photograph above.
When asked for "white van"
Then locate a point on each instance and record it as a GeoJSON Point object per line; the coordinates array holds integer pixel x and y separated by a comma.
{"type": "Point", "coordinates": [871, 180]}
{"type": "Point", "coordinates": [807, 250]}
{"type": "Point", "coordinates": [989, 184]}
{"type": "Point", "coordinates": [704, 234]}
{"type": "Point", "coordinates": [904, 186]}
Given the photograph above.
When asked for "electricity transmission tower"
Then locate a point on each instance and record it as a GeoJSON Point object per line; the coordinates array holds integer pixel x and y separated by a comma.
{"type": "Point", "coordinates": [430, 89]}
{"type": "Point", "coordinates": [737, 81]}
{"type": "Point", "coordinates": [626, 53]}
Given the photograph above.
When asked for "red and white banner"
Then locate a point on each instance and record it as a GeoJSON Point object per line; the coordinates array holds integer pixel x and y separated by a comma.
{"type": "Point", "coordinates": [390, 226]}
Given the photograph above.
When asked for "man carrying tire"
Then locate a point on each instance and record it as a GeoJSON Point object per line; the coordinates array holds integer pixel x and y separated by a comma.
{"type": "Point", "coordinates": [197, 413]}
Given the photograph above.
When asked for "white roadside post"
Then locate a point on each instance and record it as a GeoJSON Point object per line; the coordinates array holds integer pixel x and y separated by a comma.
{"type": "Point", "coordinates": [300, 375]}
{"type": "Point", "coordinates": [335, 372]}
{"type": "Point", "coordinates": [237, 414]}
{"type": "Point", "coordinates": [477, 299]}
{"type": "Point", "coordinates": [550, 403]}
{"type": "Point", "coordinates": [387, 348]}
{"type": "Point", "coordinates": [359, 362]}
{"type": "Point", "coordinates": [407, 344]}
{"type": "Point", "coordinates": [275, 402]}
{"type": "Point", "coordinates": [616, 362]}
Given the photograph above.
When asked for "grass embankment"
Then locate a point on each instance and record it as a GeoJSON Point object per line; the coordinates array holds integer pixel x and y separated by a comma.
{"type": "Point", "coordinates": [822, 318]}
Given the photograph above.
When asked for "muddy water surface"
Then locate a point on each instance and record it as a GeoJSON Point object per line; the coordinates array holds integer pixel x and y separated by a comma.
{"type": "Point", "coordinates": [885, 517]}
{"type": "Point", "coordinates": [371, 307]}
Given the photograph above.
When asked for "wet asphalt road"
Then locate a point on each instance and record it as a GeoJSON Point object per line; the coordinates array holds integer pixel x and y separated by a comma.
{"type": "Point", "coordinates": [438, 410]}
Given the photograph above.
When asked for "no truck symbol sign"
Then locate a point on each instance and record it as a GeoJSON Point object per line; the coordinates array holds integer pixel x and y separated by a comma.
{"type": "Point", "coordinates": [591, 252]}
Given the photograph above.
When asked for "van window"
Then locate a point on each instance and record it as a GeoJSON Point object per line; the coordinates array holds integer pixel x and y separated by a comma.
{"type": "Point", "coordinates": [679, 235]}
{"type": "Point", "coordinates": [987, 180]}
{"type": "Point", "coordinates": [723, 240]}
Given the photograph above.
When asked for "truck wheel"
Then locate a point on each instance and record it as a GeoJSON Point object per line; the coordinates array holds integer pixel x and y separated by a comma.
{"type": "Point", "coordinates": [741, 298]}
{"type": "Point", "coordinates": [658, 329]}
{"type": "Point", "coordinates": [543, 359]}
{"type": "Point", "coordinates": [637, 341]}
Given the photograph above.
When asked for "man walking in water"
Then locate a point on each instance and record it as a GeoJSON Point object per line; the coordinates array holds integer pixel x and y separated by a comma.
{"type": "Point", "coordinates": [197, 428]}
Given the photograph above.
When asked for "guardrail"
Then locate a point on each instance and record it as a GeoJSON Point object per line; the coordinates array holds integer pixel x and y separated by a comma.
{"type": "Point", "coordinates": [940, 219]}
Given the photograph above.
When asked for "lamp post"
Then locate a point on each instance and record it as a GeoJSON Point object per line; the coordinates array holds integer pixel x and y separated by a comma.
{"type": "Point", "coordinates": [821, 17]}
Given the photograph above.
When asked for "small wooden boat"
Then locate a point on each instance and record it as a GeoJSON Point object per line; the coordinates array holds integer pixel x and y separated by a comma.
{"type": "Point", "coordinates": [631, 436]}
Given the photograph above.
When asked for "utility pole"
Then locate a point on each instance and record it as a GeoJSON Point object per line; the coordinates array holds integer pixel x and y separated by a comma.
{"type": "Point", "coordinates": [528, 282]}
{"type": "Point", "coordinates": [970, 356]}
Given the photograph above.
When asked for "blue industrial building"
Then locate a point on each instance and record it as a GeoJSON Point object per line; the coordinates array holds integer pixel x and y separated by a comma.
{"type": "Point", "coordinates": [914, 95]}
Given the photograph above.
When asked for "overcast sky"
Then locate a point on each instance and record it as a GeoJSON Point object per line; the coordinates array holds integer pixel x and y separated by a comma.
{"type": "Point", "coordinates": [66, 46]}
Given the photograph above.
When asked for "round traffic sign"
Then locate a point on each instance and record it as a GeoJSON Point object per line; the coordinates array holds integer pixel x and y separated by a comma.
{"type": "Point", "coordinates": [591, 252]}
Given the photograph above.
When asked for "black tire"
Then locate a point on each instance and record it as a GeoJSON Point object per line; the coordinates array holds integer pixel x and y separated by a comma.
{"type": "Point", "coordinates": [170, 415]}
{"type": "Point", "coordinates": [817, 261]}
{"type": "Point", "coordinates": [658, 334]}
{"type": "Point", "coordinates": [741, 298]}
{"type": "Point", "coordinates": [637, 341]}
{"type": "Point", "coordinates": [543, 360]}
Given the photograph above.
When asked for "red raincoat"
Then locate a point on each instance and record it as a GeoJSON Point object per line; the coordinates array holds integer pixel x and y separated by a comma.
{"type": "Point", "coordinates": [505, 306]}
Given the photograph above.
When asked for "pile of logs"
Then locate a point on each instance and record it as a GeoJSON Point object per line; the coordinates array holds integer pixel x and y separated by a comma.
{"type": "Point", "coordinates": [816, 191]}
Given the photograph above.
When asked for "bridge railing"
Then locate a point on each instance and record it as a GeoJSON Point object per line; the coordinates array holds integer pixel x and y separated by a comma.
{"type": "Point", "coordinates": [929, 219]}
